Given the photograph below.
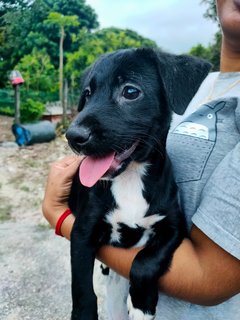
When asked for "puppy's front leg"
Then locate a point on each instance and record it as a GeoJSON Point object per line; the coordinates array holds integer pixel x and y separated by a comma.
{"type": "Point", "coordinates": [82, 261]}
{"type": "Point", "coordinates": [150, 264]}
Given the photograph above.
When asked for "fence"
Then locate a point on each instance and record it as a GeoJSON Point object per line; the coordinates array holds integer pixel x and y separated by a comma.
{"type": "Point", "coordinates": [6, 99]}
{"type": "Point", "coordinates": [7, 103]}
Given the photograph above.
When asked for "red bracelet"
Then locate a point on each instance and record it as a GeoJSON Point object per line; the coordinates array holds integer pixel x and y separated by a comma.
{"type": "Point", "coordinates": [63, 216]}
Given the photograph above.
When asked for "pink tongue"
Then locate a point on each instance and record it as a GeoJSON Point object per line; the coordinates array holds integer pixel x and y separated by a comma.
{"type": "Point", "coordinates": [92, 169]}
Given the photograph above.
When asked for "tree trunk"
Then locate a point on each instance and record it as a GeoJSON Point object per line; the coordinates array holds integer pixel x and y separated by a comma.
{"type": "Point", "coordinates": [61, 64]}
{"type": "Point", "coordinates": [65, 103]}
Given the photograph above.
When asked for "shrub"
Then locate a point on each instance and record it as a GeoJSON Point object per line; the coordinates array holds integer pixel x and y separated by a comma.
{"type": "Point", "coordinates": [31, 111]}
{"type": "Point", "coordinates": [7, 111]}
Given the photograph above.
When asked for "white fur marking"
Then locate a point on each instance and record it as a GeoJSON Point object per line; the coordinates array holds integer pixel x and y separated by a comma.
{"type": "Point", "coordinates": [137, 314]}
{"type": "Point", "coordinates": [127, 190]}
{"type": "Point", "coordinates": [147, 223]}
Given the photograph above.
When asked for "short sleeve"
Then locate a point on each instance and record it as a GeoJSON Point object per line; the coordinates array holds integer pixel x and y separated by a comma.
{"type": "Point", "coordinates": [218, 214]}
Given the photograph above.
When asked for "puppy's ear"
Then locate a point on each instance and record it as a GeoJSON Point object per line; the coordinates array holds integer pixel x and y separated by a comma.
{"type": "Point", "coordinates": [181, 77]}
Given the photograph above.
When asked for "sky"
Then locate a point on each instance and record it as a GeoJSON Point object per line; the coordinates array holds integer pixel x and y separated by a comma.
{"type": "Point", "coordinates": [175, 25]}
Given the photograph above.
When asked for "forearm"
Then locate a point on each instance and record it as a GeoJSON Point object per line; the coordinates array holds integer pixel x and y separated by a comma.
{"type": "Point", "coordinates": [200, 272]}
{"type": "Point", "coordinates": [182, 279]}
{"type": "Point", "coordinates": [67, 225]}
{"type": "Point", "coordinates": [52, 218]}
{"type": "Point", "coordinates": [197, 274]}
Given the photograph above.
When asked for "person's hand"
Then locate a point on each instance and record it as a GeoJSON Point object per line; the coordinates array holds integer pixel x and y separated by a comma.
{"type": "Point", "coordinates": [58, 188]}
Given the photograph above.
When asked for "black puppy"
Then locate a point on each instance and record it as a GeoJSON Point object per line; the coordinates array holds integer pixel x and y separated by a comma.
{"type": "Point", "coordinates": [127, 196]}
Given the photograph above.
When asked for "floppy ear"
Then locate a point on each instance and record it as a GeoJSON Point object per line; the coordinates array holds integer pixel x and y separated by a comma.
{"type": "Point", "coordinates": [181, 77]}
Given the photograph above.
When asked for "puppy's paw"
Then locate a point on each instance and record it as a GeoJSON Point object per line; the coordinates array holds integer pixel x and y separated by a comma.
{"type": "Point", "coordinates": [137, 314]}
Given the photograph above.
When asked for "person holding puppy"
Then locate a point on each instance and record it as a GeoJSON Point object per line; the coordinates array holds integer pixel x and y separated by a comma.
{"type": "Point", "coordinates": [204, 278]}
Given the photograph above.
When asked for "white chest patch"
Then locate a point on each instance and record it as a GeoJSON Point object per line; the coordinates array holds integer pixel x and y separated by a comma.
{"type": "Point", "coordinates": [127, 189]}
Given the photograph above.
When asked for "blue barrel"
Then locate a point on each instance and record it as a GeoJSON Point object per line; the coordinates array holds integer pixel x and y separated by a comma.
{"type": "Point", "coordinates": [27, 134]}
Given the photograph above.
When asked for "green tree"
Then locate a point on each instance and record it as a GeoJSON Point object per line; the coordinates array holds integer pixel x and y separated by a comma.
{"type": "Point", "coordinates": [22, 28]}
{"type": "Point", "coordinates": [13, 28]}
{"type": "Point", "coordinates": [62, 22]}
{"type": "Point", "coordinates": [86, 15]}
{"type": "Point", "coordinates": [5, 6]}
{"type": "Point", "coordinates": [212, 52]}
{"type": "Point", "coordinates": [38, 72]}
{"type": "Point", "coordinates": [200, 51]}
{"type": "Point", "coordinates": [211, 12]}
{"type": "Point", "coordinates": [92, 45]}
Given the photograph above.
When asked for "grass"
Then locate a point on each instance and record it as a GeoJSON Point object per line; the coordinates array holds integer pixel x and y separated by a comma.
{"type": "Point", "coordinates": [5, 213]}
{"type": "Point", "coordinates": [43, 227]}
{"type": "Point", "coordinates": [25, 188]}
{"type": "Point", "coordinates": [16, 180]}
{"type": "Point", "coordinates": [31, 163]}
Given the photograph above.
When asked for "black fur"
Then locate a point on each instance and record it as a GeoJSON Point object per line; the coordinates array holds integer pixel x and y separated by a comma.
{"type": "Point", "coordinates": [108, 122]}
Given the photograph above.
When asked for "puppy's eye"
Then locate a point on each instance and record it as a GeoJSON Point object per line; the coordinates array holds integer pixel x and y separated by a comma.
{"type": "Point", "coordinates": [131, 93]}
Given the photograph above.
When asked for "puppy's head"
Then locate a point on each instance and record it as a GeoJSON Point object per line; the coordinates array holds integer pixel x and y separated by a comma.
{"type": "Point", "coordinates": [126, 105]}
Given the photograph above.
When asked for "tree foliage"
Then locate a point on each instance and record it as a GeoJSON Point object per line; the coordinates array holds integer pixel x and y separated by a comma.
{"type": "Point", "coordinates": [31, 111]}
{"type": "Point", "coordinates": [212, 52]}
{"type": "Point", "coordinates": [26, 25]}
{"type": "Point", "coordinates": [22, 28]}
{"type": "Point", "coordinates": [32, 45]}
{"type": "Point", "coordinates": [211, 12]}
{"type": "Point", "coordinates": [38, 72]}
{"type": "Point", "coordinates": [92, 45]}
{"type": "Point", "coordinates": [7, 5]}
{"type": "Point", "coordinates": [62, 22]}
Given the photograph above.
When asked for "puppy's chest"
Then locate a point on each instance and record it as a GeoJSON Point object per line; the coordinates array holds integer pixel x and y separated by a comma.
{"type": "Point", "coordinates": [128, 222]}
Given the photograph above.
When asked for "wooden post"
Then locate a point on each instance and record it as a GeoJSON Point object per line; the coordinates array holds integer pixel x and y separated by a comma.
{"type": "Point", "coordinates": [17, 104]}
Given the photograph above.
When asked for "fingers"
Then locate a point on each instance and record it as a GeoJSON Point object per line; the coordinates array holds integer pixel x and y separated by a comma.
{"type": "Point", "coordinates": [67, 161]}
{"type": "Point", "coordinates": [58, 187]}
{"type": "Point", "coordinates": [68, 164]}
{"type": "Point", "coordinates": [62, 171]}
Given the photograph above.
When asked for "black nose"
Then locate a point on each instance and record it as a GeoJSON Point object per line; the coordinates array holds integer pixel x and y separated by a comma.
{"type": "Point", "coordinates": [78, 136]}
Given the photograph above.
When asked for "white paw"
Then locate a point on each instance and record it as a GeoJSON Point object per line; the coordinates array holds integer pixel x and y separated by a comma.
{"type": "Point", "coordinates": [137, 314]}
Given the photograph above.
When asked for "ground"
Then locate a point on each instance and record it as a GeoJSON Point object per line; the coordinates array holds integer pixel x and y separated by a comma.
{"type": "Point", "coordinates": [34, 263]}
{"type": "Point", "coordinates": [23, 174]}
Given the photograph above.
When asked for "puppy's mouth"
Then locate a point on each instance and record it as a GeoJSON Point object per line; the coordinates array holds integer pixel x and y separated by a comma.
{"type": "Point", "coordinates": [92, 169]}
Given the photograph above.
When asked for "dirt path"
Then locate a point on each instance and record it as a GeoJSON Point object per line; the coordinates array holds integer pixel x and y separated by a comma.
{"type": "Point", "coordinates": [34, 263]}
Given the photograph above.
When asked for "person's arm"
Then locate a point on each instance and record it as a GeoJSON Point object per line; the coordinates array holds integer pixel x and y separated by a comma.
{"type": "Point", "coordinates": [201, 272]}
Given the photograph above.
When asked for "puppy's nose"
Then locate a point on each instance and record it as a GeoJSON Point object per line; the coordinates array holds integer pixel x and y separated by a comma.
{"type": "Point", "coordinates": [83, 135]}
{"type": "Point", "coordinates": [78, 136]}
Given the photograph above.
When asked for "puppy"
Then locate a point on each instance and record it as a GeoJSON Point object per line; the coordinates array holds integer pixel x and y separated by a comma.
{"type": "Point", "coordinates": [125, 194]}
